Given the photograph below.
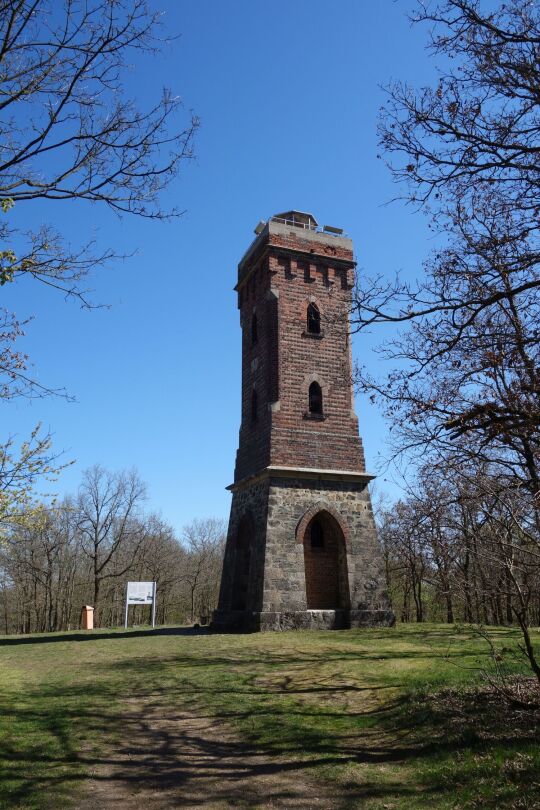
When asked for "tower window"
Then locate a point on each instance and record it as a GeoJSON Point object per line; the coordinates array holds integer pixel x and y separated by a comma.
{"type": "Point", "coordinates": [313, 320]}
{"type": "Point", "coordinates": [315, 399]}
{"type": "Point", "coordinates": [317, 535]}
{"type": "Point", "coordinates": [254, 335]}
{"type": "Point", "coordinates": [254, 405]}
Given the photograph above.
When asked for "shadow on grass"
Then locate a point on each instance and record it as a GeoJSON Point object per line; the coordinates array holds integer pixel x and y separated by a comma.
{"type": "Point", "coordinates": [161, 725]}
{"type": "Point", "coordinates": [100, 635]}
{"type": "Point", "coordinates": [184, 753]}
{"type": "Point", "coordinates": [405, 633]}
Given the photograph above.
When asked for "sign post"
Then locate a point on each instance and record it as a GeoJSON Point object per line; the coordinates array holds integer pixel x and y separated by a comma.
{"type": "Point", "coordinates": [141, 593]}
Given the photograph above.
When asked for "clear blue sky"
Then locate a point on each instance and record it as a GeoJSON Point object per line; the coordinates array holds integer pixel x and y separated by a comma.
{"type": "Point", "coordinates": [288, 95]}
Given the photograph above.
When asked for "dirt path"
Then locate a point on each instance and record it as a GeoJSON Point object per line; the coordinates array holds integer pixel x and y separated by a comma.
{"type": "Point", "coordinates": [175, 759]}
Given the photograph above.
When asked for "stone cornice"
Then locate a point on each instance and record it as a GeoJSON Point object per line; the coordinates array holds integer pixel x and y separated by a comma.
{"type": "Point", "coordinates": [310, 473]}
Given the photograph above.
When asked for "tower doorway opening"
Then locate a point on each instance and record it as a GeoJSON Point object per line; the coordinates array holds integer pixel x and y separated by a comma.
{"type": "Point", "coordinates": [325, 564]}
{"type": "Point", "coordinates": [242, 562]}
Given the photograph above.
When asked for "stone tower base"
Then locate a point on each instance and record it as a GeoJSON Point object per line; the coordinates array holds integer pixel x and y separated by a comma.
{"type": "Point", "coordinates": [246, 622]}
{"type": "Point", "coordinates": [283, 572]}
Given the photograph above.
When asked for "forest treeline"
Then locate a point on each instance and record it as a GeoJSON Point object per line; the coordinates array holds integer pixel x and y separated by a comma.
{"type": "Point", "coordinates": [459, 372]}
{"type": "Point", "coordinates": [71, 131]}
{"type": "Point", "coordinates": [83, 550]}
{"type": "Point", "coordinates": [462, 546]}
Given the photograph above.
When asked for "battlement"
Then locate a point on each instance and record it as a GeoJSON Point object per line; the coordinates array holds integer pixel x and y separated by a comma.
{"type": "Point", "coordinates": [301, 236]}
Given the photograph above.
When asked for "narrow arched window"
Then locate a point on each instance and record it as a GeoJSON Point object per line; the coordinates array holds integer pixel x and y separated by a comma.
{"type": "Point", "coordinates": [315, 398]}
{"type": "Point", "coordinates": [313, 319]}
{"type": "Point", "coordinates": [254, 405]}
{"type": "Point", "coordinates": [254, 335]}
{"type": "Point", "coordinates": [317, 534]}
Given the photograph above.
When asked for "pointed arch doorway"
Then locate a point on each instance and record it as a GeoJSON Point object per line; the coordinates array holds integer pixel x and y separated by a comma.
{"type": "Point", "coordinates": [325, 564]}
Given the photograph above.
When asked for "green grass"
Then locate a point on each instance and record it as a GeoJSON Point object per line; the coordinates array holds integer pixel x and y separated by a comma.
{"type": "Point", "coordinates": [362, 710]}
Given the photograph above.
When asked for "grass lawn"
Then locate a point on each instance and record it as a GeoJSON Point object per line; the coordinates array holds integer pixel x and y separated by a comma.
{"type": "Point", "coordinates": [384, 717]}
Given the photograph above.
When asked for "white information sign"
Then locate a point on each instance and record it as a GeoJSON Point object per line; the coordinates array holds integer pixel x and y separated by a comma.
{"type": "Point", "coordinates": [141, 593]}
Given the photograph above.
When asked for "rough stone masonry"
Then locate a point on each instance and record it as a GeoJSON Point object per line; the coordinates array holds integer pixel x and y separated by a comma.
{"type": "Point", "coordinates": [302, 549]}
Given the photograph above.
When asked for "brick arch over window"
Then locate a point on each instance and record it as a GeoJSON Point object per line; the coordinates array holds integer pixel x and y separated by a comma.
{"type": "Point", "coordinates": [321, 506]}
{"type": "Point", "coordinates": [315, 377]}
{"type": "Point", "coordinates": [313, 318]}
{"type": "Point", "coordinates": [315, 399]}
{"type": "Point", "coordinates": [314, 302]}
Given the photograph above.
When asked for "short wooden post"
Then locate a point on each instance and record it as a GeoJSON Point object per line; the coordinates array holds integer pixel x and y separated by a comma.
{"type": "Point", "coordinates": [87, 617]}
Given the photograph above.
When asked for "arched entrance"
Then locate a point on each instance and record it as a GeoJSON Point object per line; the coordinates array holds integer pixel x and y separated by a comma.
{"type": "Point", "coordinates": [242, 562]}
{"type": "Point", "coordinates": [325, 564]}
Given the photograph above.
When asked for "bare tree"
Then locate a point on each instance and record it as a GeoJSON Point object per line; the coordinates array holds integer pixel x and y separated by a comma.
{"type": "Point", "coordinates": [407, 563]}
{"type": "Point", "coordinates": [205, 542]}
{"type": "Point", "coordinates": [69, 130]}
{"type": "Point", "coordinates": [470, 150]}
{"type": "Point", "coordinates": [471, 539]}
{"type": "Point", "coordinates": [107, 508]}
{"type": "Point", "coordinates": [465, 382]}
{"type": "Point", "coordinates": [55, 557]}
{"type": "Point", "coordinates": [39, 561]}
{"type": "Point", "coordinates": [163, 561]}
{"type": "Point", "coordinates": [71, 134]}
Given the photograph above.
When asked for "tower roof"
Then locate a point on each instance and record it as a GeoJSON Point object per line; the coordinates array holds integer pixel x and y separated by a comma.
{"type": "Point", "coordinates": [300, 218]}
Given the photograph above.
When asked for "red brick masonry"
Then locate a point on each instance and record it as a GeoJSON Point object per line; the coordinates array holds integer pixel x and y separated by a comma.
{"type": "Point", "coordinates": [278, 279]}
{"type": "Point", "coordinates": [302, 548]}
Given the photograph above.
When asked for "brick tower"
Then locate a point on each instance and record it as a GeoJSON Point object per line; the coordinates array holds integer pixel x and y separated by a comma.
{"type": "Point", "coordinates": [301, 549]}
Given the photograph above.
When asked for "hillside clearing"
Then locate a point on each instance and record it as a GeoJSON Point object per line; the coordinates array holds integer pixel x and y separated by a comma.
{"type": "Point", "coordinates": [374, 718]}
